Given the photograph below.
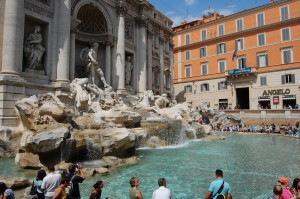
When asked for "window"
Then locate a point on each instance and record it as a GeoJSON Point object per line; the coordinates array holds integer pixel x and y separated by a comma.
{"type": "Point", "coordinates": [221, 30]}
{"type": "Point", "coordinates": [187, 55]}
{"type": "Point", "coordinates": [222, 66]}
{"type": "Point", "coordinates": [221, 48]}
{"type": "Point", "coordinates": [222, 85]}
{"type": "Point", "coordinates": [261, 39]}
{"type": "Point", "coordinates": [187, 39]}
{"type": "Point", "coordinates": [239, 44]}
{"type": "Point", "coordinates": [241, 62]}
{"type": "Point", "coordinates": [205, 87]}
{"type": "Point", "coordinates": [260, 19]}
{"type": "Point", "coordinates": [188, 88]}
{"type": "Point", "coordinates": [288, 79]}
{"type": "Point", "coordinates": [188, 71]}
{"type": "Point", "coordinates": [203, 52]}
{"type": "Point", "coordinates": [203, 35]}
{"type": "Point", "coordinates": [263, 81]}
{"type": "Point", "coordinates": [287, 56]}
{"type": "Point", "coordinates": [285, 34]}
{"type": "Point", "coordinates": [284, 13]}
{"type": "Point", "coordinates": [204, 69]}
{"type": "Point", "coordinates": [262, 60]}
{"type": "Point", "coordinates": [239, 25]}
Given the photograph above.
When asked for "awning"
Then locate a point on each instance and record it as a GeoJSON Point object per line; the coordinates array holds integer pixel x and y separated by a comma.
{"type": "Point", "coordinates": [264, 98]}
{"type": "Point", "coordinates": [288, 97]}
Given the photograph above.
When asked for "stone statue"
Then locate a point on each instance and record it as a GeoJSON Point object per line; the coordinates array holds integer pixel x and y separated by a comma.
{"type": "Point", "coordinates": [89, 56]}
{"type": "Point", "coordinates": [162, 101]}
{"type": "Point", "coordinates": [33, 50]}
{"type": "Point", "coordinates": [128, 69]}
{"type": "Point", "coordinates": [145, 101]}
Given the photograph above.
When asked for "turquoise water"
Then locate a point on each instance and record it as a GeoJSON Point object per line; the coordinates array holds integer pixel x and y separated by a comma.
{"type": "Point", "coordinates": [251, 165]}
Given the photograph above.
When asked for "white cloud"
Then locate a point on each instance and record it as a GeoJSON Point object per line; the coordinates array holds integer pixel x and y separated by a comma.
{"type": "Point", "coordinates": [190, 2]}
{"type": "Point", "coordinates": [169, 13]}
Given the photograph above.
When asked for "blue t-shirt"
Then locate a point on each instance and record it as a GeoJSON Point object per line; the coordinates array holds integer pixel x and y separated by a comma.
{"type": "Point", "coordinates": [38, 184]}
{"type": "Point", "coordinates": [215, 186]}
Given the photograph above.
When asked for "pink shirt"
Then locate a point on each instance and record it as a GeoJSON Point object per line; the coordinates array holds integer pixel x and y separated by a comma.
{"type": "Point", "coordinates": [286, 194]}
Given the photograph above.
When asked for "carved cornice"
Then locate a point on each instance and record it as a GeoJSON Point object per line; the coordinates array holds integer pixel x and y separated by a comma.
{"type": "Point", "coordinates": [142, 21]}
{"type": "Point", "coordinates": [74, 24]}
{"type": "Point", "coordinates": [121, 7]}
{"type": "Point", "coordinates": [38, 9]}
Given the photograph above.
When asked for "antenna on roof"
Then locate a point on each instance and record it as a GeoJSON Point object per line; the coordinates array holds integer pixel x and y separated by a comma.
{"type": "Point", "coordinates": [187, 13]}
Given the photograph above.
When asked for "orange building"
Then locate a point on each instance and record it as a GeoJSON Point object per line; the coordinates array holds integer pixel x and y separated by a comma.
{"type": "Point", "coordinates": [249, 60]}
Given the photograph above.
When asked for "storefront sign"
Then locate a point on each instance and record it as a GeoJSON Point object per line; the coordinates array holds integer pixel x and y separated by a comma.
{"type": "Point", "coordinates": [275, 99]}
{"type": "Point", "coordinates": [239, 71]}
{"type": "Point", "coordinates": [276, 92]}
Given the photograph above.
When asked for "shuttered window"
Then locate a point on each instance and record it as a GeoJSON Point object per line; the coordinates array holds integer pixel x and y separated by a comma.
{"type": "Point", "coordinates": [187, 39]}
{"type": "Point", "coordinates": [202, 52]}
{"type": "Point", "coordinates": [261, 39]}
{"type": "Point", "coordinates": [204, 69]}
{"type": "Point", "coordinates": [203, 35]}
{"type": "Point", "coordinates": [288, 79]}
{"type": "Point", "coordinates": [263, 81]}
{"type": "Point", "coordinates": [285, 34]}
{"type": "Point", "coordinates": [222, 85]}
{"type": "Point", "coordinates": [188, 88]}
{"type": "Point", "coordinates": [187, 55]}
{"type": "Point", "coordinates": [239, 25]}
{"type": "Point", "coordinates": [242, 62]}
{"type": "Point", "coordinates": [205, 87]}
{"type": "Point", "coordinates": [221, 48]}
{"type": "Point", "coordinates": [221, 66]}
{"type": "Point", "coordinates": [188, 71]}
{"type": "Point", "coordinates": [287, 56]}
{"type": "Point", "coordinates": [239, 44]}
{"type": "Point", "coordinates": [260, 19]}
{"type": "Point", "coordinates": [221, 30]}
{"type": "Point", "coordinates": [262, 60]}
{"type": "Point", "coordinates": [284, 12]}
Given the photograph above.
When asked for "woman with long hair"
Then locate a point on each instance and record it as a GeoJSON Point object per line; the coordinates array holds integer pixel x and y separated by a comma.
{"type": "Point", "coordinates": [60, 192]}
{"type": "Point", "coordinates": [96, 193]}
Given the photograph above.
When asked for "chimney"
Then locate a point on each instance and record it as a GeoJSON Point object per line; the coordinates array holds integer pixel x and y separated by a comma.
{"type": "Point", "coordinates": [271, 1]}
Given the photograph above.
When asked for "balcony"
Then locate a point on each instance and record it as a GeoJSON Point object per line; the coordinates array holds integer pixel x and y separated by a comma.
{"type": "Point", "coordinates": [240, 71]}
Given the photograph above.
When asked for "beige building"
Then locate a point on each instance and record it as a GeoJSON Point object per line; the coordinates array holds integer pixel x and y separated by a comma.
{"type": "Point", "coordinates": [248, 60]}
{"type": "Point", "coordinates": [42, 42]}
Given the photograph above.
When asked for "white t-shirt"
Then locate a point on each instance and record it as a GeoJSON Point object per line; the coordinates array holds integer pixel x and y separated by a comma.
{"type": "Point", "coordinates": [162, 193]}
{"type": "Point", "coordinates": [50, 183]}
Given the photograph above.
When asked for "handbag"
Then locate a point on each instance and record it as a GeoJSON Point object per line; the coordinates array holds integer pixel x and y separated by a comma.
{"type": "Point", "coordinates": [33, 190]}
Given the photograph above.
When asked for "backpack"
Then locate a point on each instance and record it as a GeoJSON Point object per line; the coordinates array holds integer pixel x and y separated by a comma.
{"type": "Point", "coordinates": [69, 188]}
{"type": "Point", "coordinates": [33, 190]}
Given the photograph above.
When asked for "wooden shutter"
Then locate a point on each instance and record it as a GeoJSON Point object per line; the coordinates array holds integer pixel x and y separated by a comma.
{"type": "Point", "coordinates": [282, 79]}
{"type": "Point", "coordinates": [224, 47]}
{"type": "Point", "coordinates": [257, 61]}
{"type": "Point", "coordinates": [293, 78]}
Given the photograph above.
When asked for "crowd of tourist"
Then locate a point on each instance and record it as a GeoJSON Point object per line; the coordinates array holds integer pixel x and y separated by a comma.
{"type": "Point", "coordinates": [283, 129]}
{"type": "Point", "coordinates": [63, 185]}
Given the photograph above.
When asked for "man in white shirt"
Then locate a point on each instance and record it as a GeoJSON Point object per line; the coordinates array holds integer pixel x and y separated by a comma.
{"type": "Point", "coordinates": [162, 192]}
{"type": "Point", "coordinates": [50, 183]}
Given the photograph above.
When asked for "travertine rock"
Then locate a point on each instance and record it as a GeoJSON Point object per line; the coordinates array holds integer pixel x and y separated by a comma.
{"type": "Point", "coordinates": [28, 160]}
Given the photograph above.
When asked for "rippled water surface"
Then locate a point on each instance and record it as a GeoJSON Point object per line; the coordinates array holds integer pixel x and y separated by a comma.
{"type": "Point", "coordinates": [251, 165]}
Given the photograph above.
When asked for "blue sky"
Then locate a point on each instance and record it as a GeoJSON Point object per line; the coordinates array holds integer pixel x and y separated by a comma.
{"type": "Point", "coordinates": [189, 10]}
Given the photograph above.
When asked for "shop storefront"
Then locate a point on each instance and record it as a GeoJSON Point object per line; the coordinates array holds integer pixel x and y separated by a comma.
{"type": "Point", "coordinates": [264, 102]}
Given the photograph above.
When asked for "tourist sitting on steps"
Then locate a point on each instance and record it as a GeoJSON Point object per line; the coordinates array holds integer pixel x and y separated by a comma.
{"type": "Point", "coordinates": [38, 180]}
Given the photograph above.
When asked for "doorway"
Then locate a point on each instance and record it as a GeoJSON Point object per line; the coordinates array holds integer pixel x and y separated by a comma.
{"type": "Point", "coordinates": [242, 98]}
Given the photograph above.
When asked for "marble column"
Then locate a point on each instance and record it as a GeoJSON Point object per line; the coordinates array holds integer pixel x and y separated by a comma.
{"type": "Point", "coordinates": [108, 45]}
{"type": "Point", "coordinates": [12, 36]}
{"type": "Point", "coordinates": [120, 51]}
{"type": "Point", "coordinates": [161, 61]}
{"type": "Point", "coordinates": [63, 40]}
{"type": "Point", "coordinates": [171, 54]}
{"type": "Point", "coordinates": [142, 53]}
{"type": "Point", "coordinates": [150, 63]}
{"type": "Point", "coordinates": [74, 24]}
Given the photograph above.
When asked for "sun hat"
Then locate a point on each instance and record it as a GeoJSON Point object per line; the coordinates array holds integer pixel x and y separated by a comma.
{"type": "Point", "coordinates": [283, 180]}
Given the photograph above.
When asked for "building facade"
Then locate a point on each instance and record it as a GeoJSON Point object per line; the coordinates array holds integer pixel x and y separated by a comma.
{"type": "Point", "coordinates": [247, 60]}
{"type": "Point", "coordinates": [42, 44]}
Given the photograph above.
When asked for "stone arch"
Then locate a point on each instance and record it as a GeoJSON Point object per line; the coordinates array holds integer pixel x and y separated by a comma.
{"type": "Point", "coordinates": [78, 4]}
